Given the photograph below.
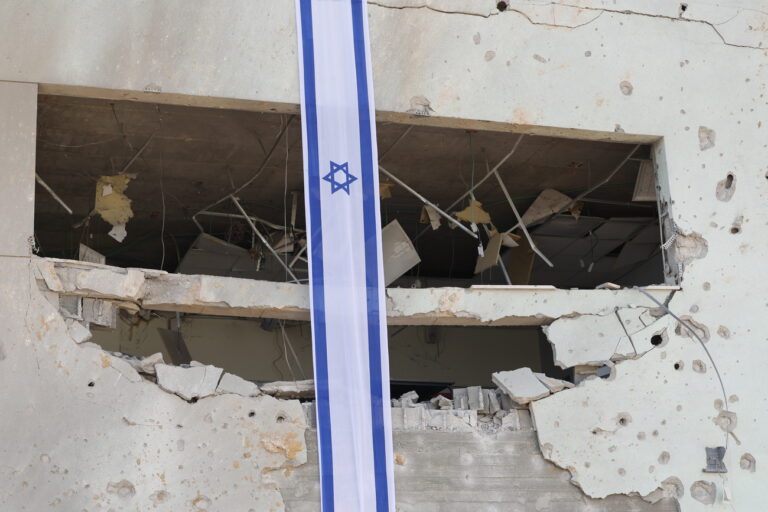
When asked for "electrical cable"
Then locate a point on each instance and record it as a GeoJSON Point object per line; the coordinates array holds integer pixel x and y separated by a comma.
{"type": "Point", "coordinates": [701, 342]}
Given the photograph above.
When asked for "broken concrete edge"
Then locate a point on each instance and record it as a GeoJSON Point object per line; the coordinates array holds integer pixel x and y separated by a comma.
{"type": "Point", "coordinates": [419, 417]}
{"type": "Point", "coordinates": [670, 488]}
{"type": "Point", "coordinates": [198, 381]}
{"type": "Point", "coordinates": [521, 385]}
{"type": "Point", "coordinates": [280, 447]}
{"type": "Point", "coordinates": [189, 382]}
{"type": "Point", "coordinates": [597, 339]}
{"type": "Point", "coordinates": [228, 296]}
{"type": "Point", "coordinates": [290, 389]}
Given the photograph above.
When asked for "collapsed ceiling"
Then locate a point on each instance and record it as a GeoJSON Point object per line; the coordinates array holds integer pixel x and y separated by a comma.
{"type": "Point", "coordinates": [189, 158]}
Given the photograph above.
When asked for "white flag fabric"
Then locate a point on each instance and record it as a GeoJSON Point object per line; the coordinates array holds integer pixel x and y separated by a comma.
{"type": "Point", "coordinates": [341, 189]}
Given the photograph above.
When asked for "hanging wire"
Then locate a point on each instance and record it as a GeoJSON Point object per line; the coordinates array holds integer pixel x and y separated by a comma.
{"type": "Point", "coordinates": [287, 340]}
{"type": "Point", "coordinates": [693, 333]}
{"type": "Point", "coordinates": [162, 189]}
{"type": "Point", "coordinates": [162, 224]}
{"type": "Point", "coordinates": [285, 202]}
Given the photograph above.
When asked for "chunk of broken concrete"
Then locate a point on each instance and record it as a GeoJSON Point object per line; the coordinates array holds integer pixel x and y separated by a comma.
{"type": "Point", "coordinates": [460, 398]}
{"type": "Point", "coordinates": [492, 400]}
{"type": "Point", "coordinates": [147, 364]}
{"type": "Point", "coordinates": [78, 331]}
{"type": "Point", "coordinates": [554, 385]}
{"type": "Point", "coordinates": [141, 364]}
{"type": "Point", "coordinates": [188, 383]}
{"type": "Point", "coordinates": [122, 366]}
{"type": "Point", "coordinates": [521, 385]}
{"type": "Point", "coordinates": [476, 398]}
{"type": "Point", "coordinates": [409, 399]}
{"type": "Point", "coordinates": [442, 402]}
{"type": "Point", "coordinates": [290, 389]}
{"type": "Point", "coordinates": [237, 385]}
{"type": "Point", "coordinates": [594, 339]}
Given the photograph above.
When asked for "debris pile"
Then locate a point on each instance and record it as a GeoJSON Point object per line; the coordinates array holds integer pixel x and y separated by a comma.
{"type": "Point", "coordinates": [489, 409]}
{"type": "Point", "coordinates": [191, 381]}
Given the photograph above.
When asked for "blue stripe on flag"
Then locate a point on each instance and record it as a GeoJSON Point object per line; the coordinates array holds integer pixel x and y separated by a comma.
{"type": "Point", "coordinates": [318, 292]}
{"type": "Point", "coordinates": [371, 227]}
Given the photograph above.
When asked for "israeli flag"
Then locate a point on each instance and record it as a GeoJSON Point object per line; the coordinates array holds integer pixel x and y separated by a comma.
{"type": "Point", "coordinates": [341, 191]}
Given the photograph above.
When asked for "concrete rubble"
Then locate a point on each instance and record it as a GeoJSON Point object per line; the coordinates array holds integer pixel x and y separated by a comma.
{"type": "Point", "coordinates": [78, 331]}
{"type": "Point", "coordinates": [605, 68]}
{"type": "Point", "coordinates": [554, 385]}
{"type": "Point", "coordinates": [143, 365]}
{"type": "Point", "coordinates": [231, 383]}
{"type": "Point", "coordinates": [422, 417]}
{"type": "Point", "coordinates": [190, 382]}
{"type": "Point", "coordinates": [289, 389]}
{"type": "Point", "coordinates": [521, 385]}
{"type": "Point", "coordinates": [471, 410]}
{"type": "Point", "coordinates": [475, 407]}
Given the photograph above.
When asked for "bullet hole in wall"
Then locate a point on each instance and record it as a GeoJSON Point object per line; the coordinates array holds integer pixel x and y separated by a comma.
{"type": "Point", "coordinates": [726, 187]}
{"type": "Point", "coordinates": [501, 6]}
{"type": "Point", "coordinates": [624, 419]}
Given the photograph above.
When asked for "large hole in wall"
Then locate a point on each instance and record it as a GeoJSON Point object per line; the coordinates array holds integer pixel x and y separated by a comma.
{"type": "Point", "coordinates": [427, 359]}
{"type": "Point", "coordinates": [136, 177]}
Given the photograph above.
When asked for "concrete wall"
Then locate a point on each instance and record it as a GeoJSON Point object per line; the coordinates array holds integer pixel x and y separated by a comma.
{"type": "Point", "coordinates": [468, 471]}
{"type": "Point", "coordinates": [18, 129]}
{"type": "Point", "coordinates": [464, 355]}
{"type": "Point", "coordinates": [693, 79]}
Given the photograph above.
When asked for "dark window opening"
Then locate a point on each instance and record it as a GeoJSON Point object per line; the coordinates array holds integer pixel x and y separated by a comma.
{"type": "Point", "coordinates": [137, 175]}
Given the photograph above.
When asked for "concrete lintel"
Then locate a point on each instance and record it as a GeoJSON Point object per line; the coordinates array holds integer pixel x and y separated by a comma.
{"type": "Point", "coordinates": [383, 116]}
{"type": "Point", "coordinates": [228, 296]}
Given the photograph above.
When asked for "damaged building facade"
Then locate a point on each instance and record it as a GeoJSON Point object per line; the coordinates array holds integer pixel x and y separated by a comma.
{"type": "Point", "coordinates": [572, 199]}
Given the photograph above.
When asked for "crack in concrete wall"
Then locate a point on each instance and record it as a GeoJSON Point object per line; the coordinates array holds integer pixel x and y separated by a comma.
{"type": "Point", "coordinates": [626, 333]}
{"type": "Point", "coordinates": [488, 9]}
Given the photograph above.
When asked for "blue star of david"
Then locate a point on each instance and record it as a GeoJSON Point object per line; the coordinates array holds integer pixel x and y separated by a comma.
{"type": "Point", "coordinates": [338, 185]}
